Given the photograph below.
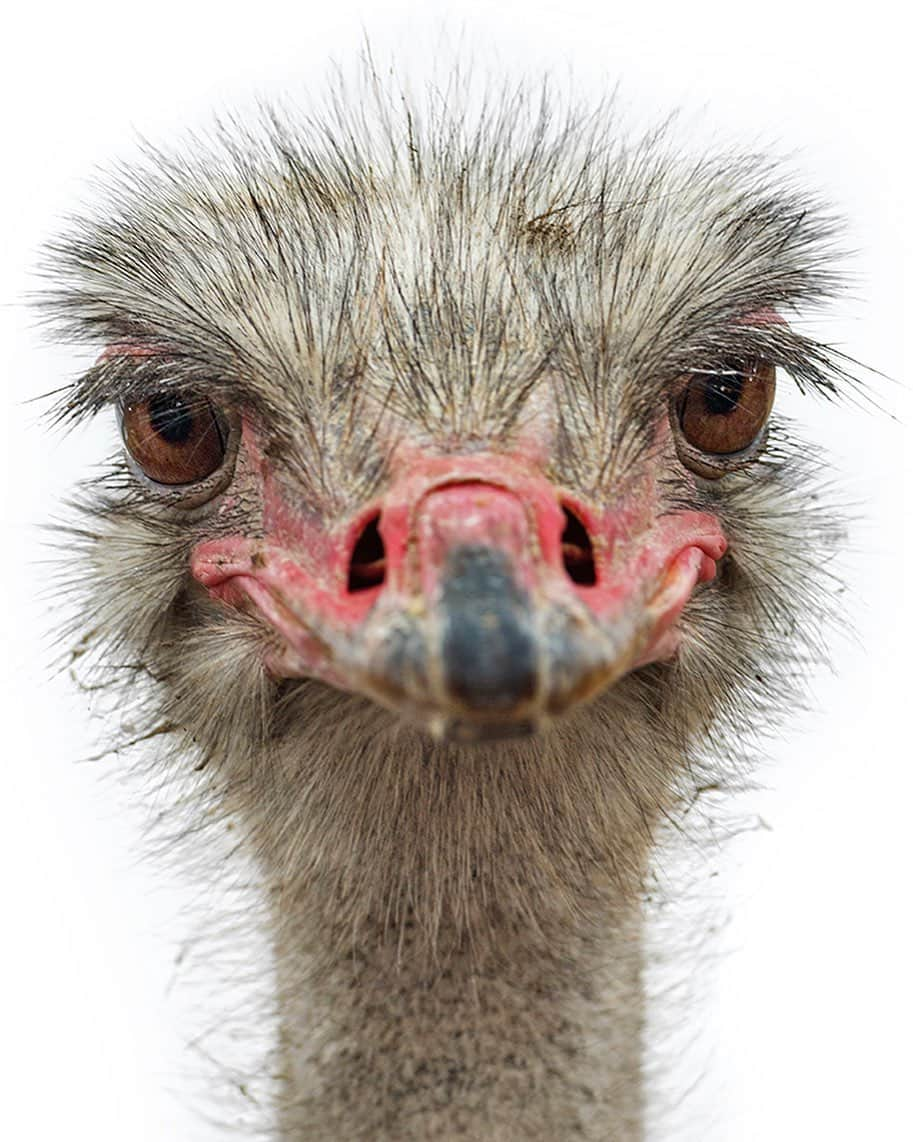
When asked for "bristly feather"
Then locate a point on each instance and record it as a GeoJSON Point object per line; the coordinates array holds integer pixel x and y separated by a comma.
{"type": "Point", "coordinates": [446, 274]}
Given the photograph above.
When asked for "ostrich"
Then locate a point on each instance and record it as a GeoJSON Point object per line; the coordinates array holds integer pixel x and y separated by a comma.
{"type": "Point", "coordinates": [453, 549]}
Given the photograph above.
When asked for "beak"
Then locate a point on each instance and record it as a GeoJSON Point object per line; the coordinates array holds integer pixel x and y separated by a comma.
{"type": "Point", "coordinates": [483, 604]}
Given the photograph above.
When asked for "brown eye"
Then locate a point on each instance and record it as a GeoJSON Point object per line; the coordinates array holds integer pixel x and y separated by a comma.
{"type": "Point", "coordinates": [724, 412]}
{"type": "Point", "coordinates": [175, 437]}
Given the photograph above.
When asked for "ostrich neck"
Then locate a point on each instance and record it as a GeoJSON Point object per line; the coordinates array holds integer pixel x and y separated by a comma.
{"type": "Point", "coordinates": [527, 1043]}
{"type": "Point", "coordinates": [458, 957]}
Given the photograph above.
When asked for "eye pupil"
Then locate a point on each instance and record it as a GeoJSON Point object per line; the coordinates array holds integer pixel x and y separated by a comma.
{"type": "Point", "coordinates": [722, 394]}
{"type": "Point", "coordinates": [171, 418]}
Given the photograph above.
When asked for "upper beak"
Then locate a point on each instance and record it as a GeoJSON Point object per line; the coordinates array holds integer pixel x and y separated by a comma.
{"type": "Point", "coordinates": [496, 637]}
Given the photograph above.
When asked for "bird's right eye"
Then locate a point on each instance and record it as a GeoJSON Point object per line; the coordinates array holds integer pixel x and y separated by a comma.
{"type": "Point", "coordinates": [722, 415]}
{"type": "Point", "coordinates": [175, 437]}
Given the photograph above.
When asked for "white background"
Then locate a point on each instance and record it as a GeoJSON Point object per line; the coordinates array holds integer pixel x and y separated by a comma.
{"type": "Point", "coordinates": [806, 1023]}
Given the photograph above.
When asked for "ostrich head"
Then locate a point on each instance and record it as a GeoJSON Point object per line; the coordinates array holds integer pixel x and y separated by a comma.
{"type": "Point", "coordinates": [455, 528]}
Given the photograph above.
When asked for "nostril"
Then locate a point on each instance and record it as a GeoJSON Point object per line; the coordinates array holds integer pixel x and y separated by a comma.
{"type": "Point", "coordinates": [577, 551]}
{"type": "Point", "coordinates": [369, 558]}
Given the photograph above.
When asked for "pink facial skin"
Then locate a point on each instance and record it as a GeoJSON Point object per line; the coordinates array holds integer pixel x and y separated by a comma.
{"type": "Point", "coordinates": [296, 578]}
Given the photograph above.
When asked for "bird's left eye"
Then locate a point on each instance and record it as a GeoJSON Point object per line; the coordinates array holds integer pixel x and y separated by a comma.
{"type": "Point", "coordinates": [175, 437]}
{"type": "Point", "coordinates": [722, 413]}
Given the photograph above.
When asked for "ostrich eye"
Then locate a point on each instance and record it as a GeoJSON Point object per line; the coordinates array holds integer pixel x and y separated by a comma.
{"type": "Point", "coordinates": [723, 412]}
{"type": "Point", "coordinates": [174, 437]}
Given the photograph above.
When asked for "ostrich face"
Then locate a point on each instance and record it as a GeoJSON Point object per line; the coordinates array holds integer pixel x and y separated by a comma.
{"type": "Point", "coordinates": [471, 430]}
